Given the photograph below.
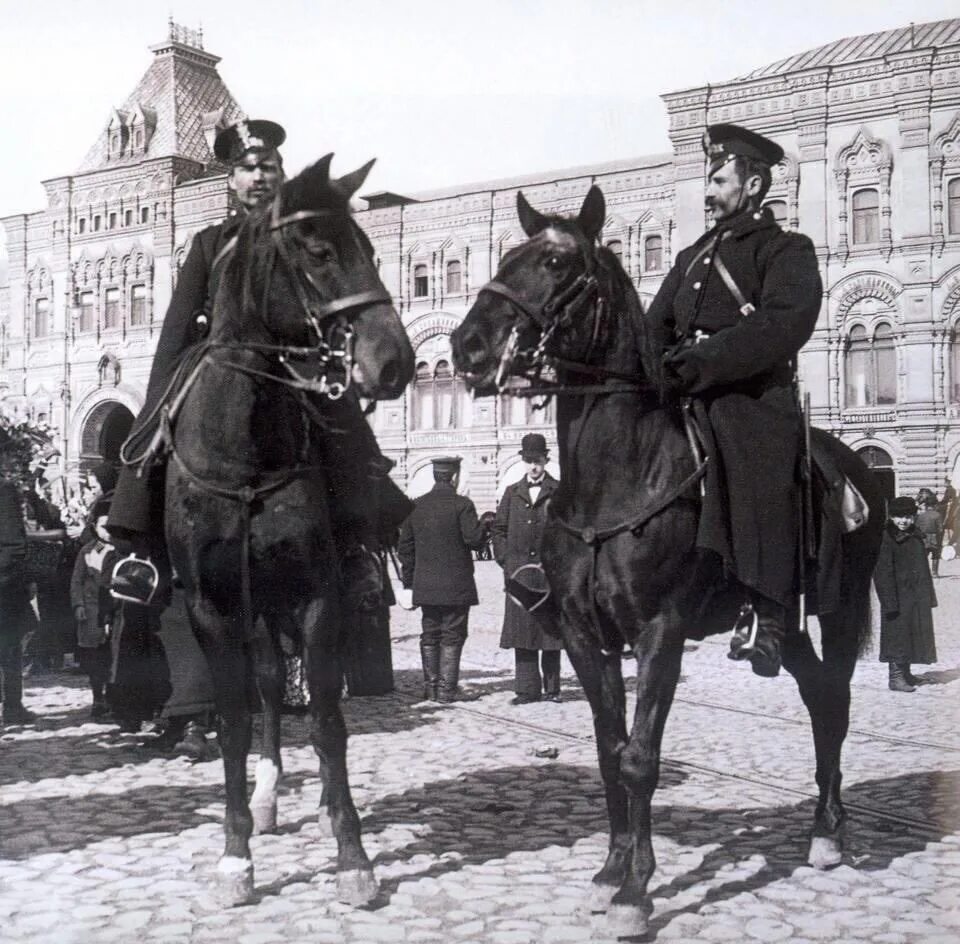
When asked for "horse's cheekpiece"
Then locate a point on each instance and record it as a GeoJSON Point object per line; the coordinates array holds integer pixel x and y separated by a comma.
{"type": "Point", "coordinates": [134, 579]}
{"type": "Point", "coordinates": [527, 586]}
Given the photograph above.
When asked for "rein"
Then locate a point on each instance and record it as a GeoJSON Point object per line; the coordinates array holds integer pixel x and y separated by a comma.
{"type": "Point", "coordinates": [559, 310]}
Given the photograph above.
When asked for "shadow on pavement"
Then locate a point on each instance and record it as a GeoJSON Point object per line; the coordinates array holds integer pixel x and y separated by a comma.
{"type": "Point", "coordinates": [937, 677]}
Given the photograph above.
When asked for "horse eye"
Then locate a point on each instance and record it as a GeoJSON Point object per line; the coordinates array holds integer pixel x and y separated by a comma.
{"type": "Point", "coordinates": [322, 253]}
{"type": "Point", "coordinates": [555, 262]}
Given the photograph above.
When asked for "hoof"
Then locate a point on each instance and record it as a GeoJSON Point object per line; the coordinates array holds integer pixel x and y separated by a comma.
{"type": "Point", "coordinates": [234, 882]}
{"type": "Point", "coordinates": [599, 897]}
{"type": "Point", "coordinates": [627, 920]}
{"type": "Point", "coordinates": [264, 819]}
{"type": "Point", "coordinates": [825, 852]}
{"type": "Point", "coordinates": [357, 887]}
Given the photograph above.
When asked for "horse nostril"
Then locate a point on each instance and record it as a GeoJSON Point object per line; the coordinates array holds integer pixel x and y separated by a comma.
{"type": "Point", "coordinates": [475, 348]}
{"type": "Point", "coordinates": [390, 375]}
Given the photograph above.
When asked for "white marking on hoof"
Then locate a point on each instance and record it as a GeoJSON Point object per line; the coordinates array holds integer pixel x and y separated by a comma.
{"type": "Point", "coordinates": [234, 881]}
{"type": "Point", "coordinates": [357, 887]}
{"type": "Point", "coordinates": [599, 896]}
{"type": "Point", "coordinates": [627, 920]}
{"type": "Point", "coordinates": [264, 819]}
{"type": "Point", "coordinates": [825, 852]}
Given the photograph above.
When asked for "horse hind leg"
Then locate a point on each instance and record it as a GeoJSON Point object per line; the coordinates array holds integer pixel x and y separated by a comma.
{"type": "Point", "coordinates": [825, 689]}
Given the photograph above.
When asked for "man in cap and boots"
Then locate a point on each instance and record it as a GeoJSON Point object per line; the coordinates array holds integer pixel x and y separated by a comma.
{"type": "Point", "coordinates": [528, 619]}
{"type": "Point", "coordinates": [435, 561]}
{"type": "Point", "coordinates": [729, 320]}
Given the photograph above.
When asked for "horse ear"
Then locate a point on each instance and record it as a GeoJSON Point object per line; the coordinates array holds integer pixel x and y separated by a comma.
{"type": "Point", "coordinates": [593, 213]}
{"type": "Point", "coordinates": [321, 168]}
{"type": "Point", "coordinates": [349, 184]}
{"type": "Point", "coordinates": [531, 221]}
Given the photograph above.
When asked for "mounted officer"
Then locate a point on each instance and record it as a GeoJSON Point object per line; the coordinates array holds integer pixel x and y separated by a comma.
{"type": "Point", "coordinates": [730, 318]}
{"type": "Point", "coordinates": [251, 149]}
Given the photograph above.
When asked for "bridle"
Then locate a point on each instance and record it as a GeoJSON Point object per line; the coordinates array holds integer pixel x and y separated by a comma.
{"type": "Point", "coordinates": [559, 311]}
{"type": "Point", "coordinates": [330, 321]}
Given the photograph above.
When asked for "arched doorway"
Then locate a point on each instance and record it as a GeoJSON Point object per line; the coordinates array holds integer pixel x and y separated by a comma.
{"type": "Point", "coordinates": [881, 465]}
{"type": "Point", "coordinates": [104, 431]}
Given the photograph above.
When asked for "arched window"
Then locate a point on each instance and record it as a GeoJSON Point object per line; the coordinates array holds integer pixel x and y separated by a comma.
{"type": "Point", "coordinates": [866, 216]}
{"type": "Point", "coordinates": [881, 467]}
{"type": "Point", "coordinates": [652, 253]}
{"type": "Point", "coordinates": [779, 210]}
{"type": "Point", "coordinates": [96, 223]}
{"type": "Point", "coordinates": [953, 207]}
{"type": "Point", "coordinates": [454, 277]}
{"type": "Point", "coordinates": [81, 225]}
{"type": "Point", "coordinates": [616, 247]}
{"type": "Point", "coordinates": [144, 214]}
{"type": "Point", "coordinates": [128, 217]}
{"type": "Point", "coordinates": [871, 367]}
{"type": "Point", "coordinates": [440, 398]}
{"type": "Point", "coordinates": [420, 282]}
{"type": "Point", "coordinates": [41, 317]}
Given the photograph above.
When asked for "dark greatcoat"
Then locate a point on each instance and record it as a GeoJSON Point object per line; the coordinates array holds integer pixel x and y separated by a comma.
{"type": "Point", "coordinates": [137, 500]}
{"type": "Point", "coordinates": [517, 532]}
{"type": "Point", "coordinates": [435, 545]}
{"type": "Point", "coordinates": [905, 590]}
{"type": "Point", "coordinates": [740, 376]}
{"type": "Point", "coordinates": [16, 615]}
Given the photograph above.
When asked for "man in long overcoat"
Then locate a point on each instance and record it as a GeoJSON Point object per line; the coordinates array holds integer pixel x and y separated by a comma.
{"type": "Point", "coordinates": [16, 615]}
{"type": "Point", "coordinates": [436, 562]}
{"type": "Point", "coordinates": [907, 597]}
{"type": "Point", "coordinates": [517, 530]}
{"type": "Point", "coordinates": [729, 320]}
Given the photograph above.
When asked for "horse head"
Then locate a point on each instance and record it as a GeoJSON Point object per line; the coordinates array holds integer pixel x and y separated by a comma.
{"type": "Point", "coordinates": [548, 304]}
{"type": "Point", "coordinates": [305, 284]}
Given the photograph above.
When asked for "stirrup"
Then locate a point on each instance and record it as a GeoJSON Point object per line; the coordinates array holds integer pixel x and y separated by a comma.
{"type": "Point", "coordinates": [134, 579]}
{"type": "Point", "coordinates": [745, 630]}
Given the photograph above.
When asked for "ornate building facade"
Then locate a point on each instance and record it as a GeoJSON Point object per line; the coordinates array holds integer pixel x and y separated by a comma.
{"type": "Point", "coordinates": [871, 130]}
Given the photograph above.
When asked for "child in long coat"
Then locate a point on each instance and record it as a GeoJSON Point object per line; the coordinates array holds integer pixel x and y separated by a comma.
{"type": "Point", "coordinates": [905, 589]}
{"type": "Point", "coordinates": [93, 607]}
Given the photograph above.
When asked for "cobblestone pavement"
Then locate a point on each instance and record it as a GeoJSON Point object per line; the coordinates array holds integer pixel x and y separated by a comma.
{"type": "Point", "coordinates": [487, 821]}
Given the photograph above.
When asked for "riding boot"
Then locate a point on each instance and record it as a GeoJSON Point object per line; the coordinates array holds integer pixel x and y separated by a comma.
{"type": "Point", "coordinates": [449, 672]}
{"type": "Point", "coordinates": [430, 657]}
{"type": "Point", "coordinates": [758, 635]}
{"type": "Point", "coordinates": [898, 681]}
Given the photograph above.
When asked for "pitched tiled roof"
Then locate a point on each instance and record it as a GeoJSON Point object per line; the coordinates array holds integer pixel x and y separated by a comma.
{"type": "Point", "coordinates": [870, 46]}
{"type": "Point", "coordinates": [179, 88]}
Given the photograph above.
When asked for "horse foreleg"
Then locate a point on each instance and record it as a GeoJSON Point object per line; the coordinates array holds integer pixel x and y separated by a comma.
{"type": "Point", "coordinates": [269, 666]}
{"type": "Point", "coordinates": [356, 884]}
{"type": "Point", "coordinates": [601, 677]}
{"type": "Point", "coordinates": [825, 690]}
{"type": "Point", "coordinates": [659, 653]}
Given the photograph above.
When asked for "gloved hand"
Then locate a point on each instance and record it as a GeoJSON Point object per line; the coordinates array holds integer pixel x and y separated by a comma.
{"type": "Point", "coordinates": [679, 374]}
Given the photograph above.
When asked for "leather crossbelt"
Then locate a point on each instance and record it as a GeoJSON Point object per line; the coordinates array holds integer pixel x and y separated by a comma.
{"type": "Point", "coordinates": [746, 308]}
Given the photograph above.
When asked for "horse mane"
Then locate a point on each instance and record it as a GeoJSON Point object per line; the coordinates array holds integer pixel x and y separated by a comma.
{"type": "Point", "coordinates": [626, 299]}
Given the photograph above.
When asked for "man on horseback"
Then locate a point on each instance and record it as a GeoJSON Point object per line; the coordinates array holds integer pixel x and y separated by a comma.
{"type": "Point", "coordinates": [251, 149]}
{"type": "Point", "coordinates": [730, 318]}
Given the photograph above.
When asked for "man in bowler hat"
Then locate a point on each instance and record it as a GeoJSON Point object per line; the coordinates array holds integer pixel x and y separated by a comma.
{"type": "Point", "coordinates": [729, 320]}
{"type": "Point", "coordinates": [435, 561]}
{"type": "Point", "coordinates": [528, 620]}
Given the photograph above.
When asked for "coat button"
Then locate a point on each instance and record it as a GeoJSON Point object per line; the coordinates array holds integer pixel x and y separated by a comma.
{"type": "Point", "coordinates": [706, 260]}
{"type": "Point", "coordinates": [696, 285]}
{"type": "Point", "coordinates": [533, 553]}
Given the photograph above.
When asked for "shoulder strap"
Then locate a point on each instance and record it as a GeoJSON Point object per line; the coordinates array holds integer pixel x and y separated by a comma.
{"type": "Point", "coordinates": [746, 308]}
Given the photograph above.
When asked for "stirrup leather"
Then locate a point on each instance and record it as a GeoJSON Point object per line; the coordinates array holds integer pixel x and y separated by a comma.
{"type": "Point", "coordinates": [133, 571]}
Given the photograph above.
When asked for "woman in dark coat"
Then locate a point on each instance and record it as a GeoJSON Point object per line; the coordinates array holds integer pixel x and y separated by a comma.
{"type": "Point", "coordinates": [905, 589]}
{"type": "Point", "coordinates": [517, 530]}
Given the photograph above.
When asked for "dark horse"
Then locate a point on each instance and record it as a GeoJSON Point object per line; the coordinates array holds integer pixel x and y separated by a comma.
{"type": "Point", "coordinates": [619, 545]}
{"type": "Point", "coordinates": [300, 314]}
